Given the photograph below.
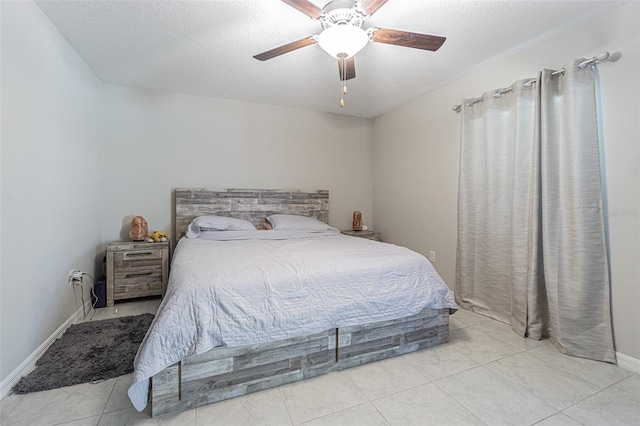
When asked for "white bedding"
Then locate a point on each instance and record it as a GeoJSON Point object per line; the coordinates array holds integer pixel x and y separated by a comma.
{"type": "Point", "coordinates": [266, 286]}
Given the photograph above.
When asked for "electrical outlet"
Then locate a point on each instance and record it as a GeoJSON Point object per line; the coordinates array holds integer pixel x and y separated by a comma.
{"type": "Point", "coordinates": [432, 256]}
{"type": "Point", "coordinates": [75, 277]}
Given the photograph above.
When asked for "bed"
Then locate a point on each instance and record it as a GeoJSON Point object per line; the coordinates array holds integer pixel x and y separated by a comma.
{"type": "Point", "coordinates": [250, 310]}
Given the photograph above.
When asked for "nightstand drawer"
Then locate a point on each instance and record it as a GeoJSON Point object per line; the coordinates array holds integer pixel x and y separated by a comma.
{"type": "Point", "coordinates": [137, 255]}
{"type": "Point", "coordinates": [138, 272]}
{"type": "Point", "coordinates": [137, 284]}
{"type": "Point", "coordinates": [137, 262]}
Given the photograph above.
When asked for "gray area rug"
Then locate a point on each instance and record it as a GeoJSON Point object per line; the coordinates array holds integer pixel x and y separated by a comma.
{"type": "Point", "coordinates": [88, 352]}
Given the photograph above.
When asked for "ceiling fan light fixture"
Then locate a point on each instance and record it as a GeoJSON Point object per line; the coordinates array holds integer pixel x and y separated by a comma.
{"type": "Point", "coordinates": [343, 37]}
{"type": "Point", "coordinates": [341, 40]}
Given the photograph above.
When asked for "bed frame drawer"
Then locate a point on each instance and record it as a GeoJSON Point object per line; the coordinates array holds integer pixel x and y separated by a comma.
{"type": "Point", "coordinates": [136, 269]}
{"type": "Point", "coordinates": [366, 343]}
{"type": "Point", "coordinates": [224, 373]}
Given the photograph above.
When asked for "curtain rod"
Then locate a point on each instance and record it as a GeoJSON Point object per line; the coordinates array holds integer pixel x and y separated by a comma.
{"type": "Point", "coordinates": [601, 57]}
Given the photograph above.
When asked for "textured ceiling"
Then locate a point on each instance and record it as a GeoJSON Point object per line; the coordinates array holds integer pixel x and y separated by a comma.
{"type": "Point", "coordinates": [206, 47]}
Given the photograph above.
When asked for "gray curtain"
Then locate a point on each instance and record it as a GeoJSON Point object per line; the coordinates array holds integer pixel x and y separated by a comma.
{"type": "Point", "coordinates": [531, 243]}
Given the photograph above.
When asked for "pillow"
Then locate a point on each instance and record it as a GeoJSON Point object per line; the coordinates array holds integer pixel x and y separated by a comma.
{"type": "Point", "coordinates": [291, 222]}
{"type": "Point", "coordinates": [217, 223]}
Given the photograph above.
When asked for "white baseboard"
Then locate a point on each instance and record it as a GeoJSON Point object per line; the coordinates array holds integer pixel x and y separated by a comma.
{"type": "Point", "coordinates": [29, 363]}
{"type": "Point", "coordinates": [628, 363]}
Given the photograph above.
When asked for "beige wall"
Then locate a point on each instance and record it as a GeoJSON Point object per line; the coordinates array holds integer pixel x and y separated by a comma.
{"type": "Point", "coordinates": [416, 156]}
{"type": "Point", "coordinates": [50, 213]}
{"type": "Point", "coordinates": [158, 141]}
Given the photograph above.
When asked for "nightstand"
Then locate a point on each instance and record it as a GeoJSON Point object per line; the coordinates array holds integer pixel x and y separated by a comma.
{"type": "Point", "coordinates": [136, 269]}
{"type": "Point", "coordinates": [368, 234]}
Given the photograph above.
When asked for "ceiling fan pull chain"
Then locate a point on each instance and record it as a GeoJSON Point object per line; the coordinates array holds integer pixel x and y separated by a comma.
{"type": "Point", "coordinates": [343, 82]}
{"type": "Point", "coordinates": [344, 73]}
{"type": "Point", "coordinates": [344, 76]}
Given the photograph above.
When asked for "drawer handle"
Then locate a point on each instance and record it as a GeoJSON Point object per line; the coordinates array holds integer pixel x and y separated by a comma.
{"type": "Point", "coordinates": [139, 253]}
{"type": "Point", "coordinates": [140, 274]}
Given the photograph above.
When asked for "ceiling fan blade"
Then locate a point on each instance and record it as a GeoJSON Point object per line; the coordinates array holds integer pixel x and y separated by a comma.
{"type": "Point", "coordinates": [309, 9]}
{"type": "Point", "coordinates": [407, 39]}
{"type": "Point", "coordinates": [347, 68]}
{"type": "Point", "coordinates": [369, 7]}
{"type": "Point", "coordinates": [308, 41]}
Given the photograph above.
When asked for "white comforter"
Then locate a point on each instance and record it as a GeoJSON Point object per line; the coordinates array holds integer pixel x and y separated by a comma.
{"type": "Point", "coordinates": [267, 285]}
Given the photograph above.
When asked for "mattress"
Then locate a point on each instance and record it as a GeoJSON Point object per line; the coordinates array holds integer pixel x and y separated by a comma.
{"type": "Point", "coordinates": [238, 288]}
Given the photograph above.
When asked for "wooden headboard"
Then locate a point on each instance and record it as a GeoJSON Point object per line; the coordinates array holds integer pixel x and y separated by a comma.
{"type": "Point", "coordinates": [253, 205]}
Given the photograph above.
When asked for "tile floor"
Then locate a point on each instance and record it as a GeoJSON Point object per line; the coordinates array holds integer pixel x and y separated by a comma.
{"type": "Point", "coordinates": [486, 375]}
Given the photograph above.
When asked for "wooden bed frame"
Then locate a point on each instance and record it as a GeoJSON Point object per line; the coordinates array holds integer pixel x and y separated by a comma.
{"type": "Point", "coordinates": [224, 373]}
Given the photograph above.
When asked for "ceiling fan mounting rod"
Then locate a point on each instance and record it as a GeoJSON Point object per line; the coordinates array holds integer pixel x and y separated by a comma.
{"type": "Point", "coordinates": [341, 12]}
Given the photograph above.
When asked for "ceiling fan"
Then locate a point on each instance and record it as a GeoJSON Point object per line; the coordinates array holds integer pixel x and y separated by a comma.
{"type": "Point", "coordinates": [343, 36]}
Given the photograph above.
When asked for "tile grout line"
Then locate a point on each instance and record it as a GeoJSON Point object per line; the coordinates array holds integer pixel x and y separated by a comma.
{"type": "Point", "coordinates": [518, 351]}
{"type": "Point", "coordinates": [522, 388]}
{"type": "Point", "coordinates": [452, 374]}
{"type": "Point", "coordinates": [460, 403]}
{"type": "Point", "coordinates": [335, 412]}
{"type": "Point", "coordinates": [286, 407]}
{"type": "Point", "coordinates": [109, 397]}
{"type": "Point", "coordinates": [555, 414]}
{"type": "Point", "coordinates": [590, 396]}
{"type": "Point", "coordinates": [14, 407]}
{"type": "Point", "coordinates": [431, 382]}
{"type": "Point", "coordinates": [379, 412]}
{"type": "Point", "coordinates": [76, 420]}
{"type": "Point", "coordinates": [505, 342]}
{"type": "Point", "coordinates": [585, 379]}
{"type": "Point", "coordinates": [566, 372]}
